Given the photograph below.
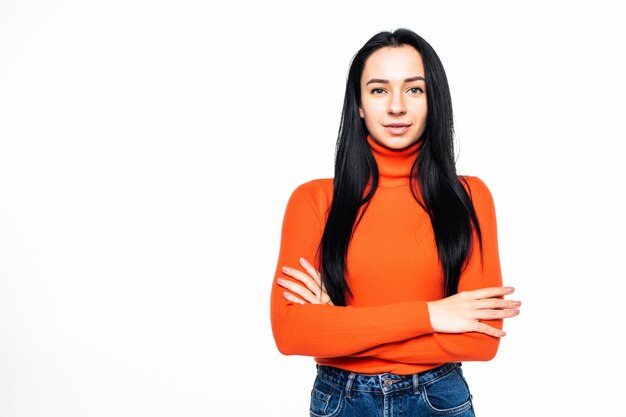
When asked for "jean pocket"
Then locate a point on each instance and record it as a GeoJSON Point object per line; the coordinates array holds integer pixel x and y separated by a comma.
{"type": "Point", "coordinates": [449, 394]}
{"type": "Point", "coordinates": [326, 399]}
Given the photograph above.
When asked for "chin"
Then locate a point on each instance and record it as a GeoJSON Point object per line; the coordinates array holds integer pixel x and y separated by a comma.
{"type": "Point", "coordinates": [399, 142]}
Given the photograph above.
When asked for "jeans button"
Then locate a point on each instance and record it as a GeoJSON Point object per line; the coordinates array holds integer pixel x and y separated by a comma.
{"type": "Point", "coordinates": [387, 382]}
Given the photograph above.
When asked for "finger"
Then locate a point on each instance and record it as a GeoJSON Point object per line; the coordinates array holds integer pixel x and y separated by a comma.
{"type": "Point", "coordinates": [309, 282]}
{"type": "Point", "coordinates": [289, 296]}
{"type": "Point", "coordinates": [495, 314]}
{"type": "Point", "coordinates": [310, 269]}
{"type": "Point", "coordinates": [489, 330]}
{"type": "Point", "coordinates": [496, 303]}
{"type": "Point", "coordinates": [300, 290]}
{"type": "Point", "coordinates": [489, 292]}
{"type": "Point", "coordinates": [317, 276]}
{"type": "Point", "coordinates": [318, 279]}
{"type": "Point", "coordinates": [325, 299]}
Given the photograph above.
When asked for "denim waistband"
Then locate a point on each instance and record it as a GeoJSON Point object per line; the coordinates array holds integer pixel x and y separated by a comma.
{"type": "Point", "coordinates": [384, 382]}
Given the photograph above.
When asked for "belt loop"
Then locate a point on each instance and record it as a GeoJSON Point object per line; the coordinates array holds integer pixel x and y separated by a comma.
{"type": "Point", "coordinates": [349, 382]}
{"type": "Point", "coordinates": [415, 384]}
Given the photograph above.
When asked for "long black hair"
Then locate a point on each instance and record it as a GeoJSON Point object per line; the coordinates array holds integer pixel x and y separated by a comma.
{"type": "Point", "coordinates": [434, 181]}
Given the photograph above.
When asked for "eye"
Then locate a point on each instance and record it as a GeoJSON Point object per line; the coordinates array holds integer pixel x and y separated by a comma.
{"type": "Point", "coordinates": [377, 90]}
{"type": "Point", "coordinates": [415, 90]}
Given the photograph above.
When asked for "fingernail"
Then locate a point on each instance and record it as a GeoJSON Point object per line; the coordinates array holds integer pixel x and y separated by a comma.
{"type": "Point", "coordinates": [510, 289]}
{"type": "Point", "coordinates": [517, 303]}
{"type": "Point", "coordinates": [285, 269]}
{"type": "Point", "coordinates": [301, 260]}
{"type": "Point", "coordinates": [503, 333]}
{"type": "Point", "coordinates": [280, 280]}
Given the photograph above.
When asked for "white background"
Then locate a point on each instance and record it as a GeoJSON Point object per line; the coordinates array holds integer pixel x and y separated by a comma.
{"type": "Point", "coordinates": [148, 148]}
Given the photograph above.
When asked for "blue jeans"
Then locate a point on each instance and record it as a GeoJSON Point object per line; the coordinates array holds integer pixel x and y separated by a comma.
{"type": "Point", "coordinates": [441, 391]}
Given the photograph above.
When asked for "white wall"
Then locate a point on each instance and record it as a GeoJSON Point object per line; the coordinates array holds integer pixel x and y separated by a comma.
{"type": "Point", "coordinates": [147, 151]}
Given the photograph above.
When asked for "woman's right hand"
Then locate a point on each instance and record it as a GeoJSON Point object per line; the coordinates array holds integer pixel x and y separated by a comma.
{"type": "Point", "coordinates": [461, 312]}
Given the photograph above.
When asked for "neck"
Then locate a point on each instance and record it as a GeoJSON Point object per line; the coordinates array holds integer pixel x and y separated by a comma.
{"type": "Point", "coordinates": [394, 165]}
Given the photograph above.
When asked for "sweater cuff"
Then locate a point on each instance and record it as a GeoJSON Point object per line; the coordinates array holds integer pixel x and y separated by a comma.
{"type": "Point", "coordinates": [422, 316]}
{"type": "Point", "coordinates": [415, 318]}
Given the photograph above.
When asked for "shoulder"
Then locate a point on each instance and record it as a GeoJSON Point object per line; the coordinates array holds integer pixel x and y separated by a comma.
{"type": "Point", "coordinates": [474, 184]}
{"type": "Point", "coordinates": [317, 192]}
{"type": "Point", "coordinates": [316, 185]}
{"type": "Point", "coordinates": [478, 191]}
{"type": "Point", "coordinates": [317, 188]}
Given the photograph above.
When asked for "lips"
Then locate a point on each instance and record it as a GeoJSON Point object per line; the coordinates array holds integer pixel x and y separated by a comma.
{"type": "Point", "coordinates": [397, 128]}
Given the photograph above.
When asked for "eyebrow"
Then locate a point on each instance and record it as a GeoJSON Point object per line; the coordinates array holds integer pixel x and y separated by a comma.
{"type": "Point", "coordinates": [407, 80]}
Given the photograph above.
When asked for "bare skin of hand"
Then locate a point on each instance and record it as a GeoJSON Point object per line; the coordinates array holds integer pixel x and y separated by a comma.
{"type": "Point", "coordinates": [461, 312]}
{"type": "Point", "coordinates": [458, 313]}
{"type": "Point", "coordinates": [311, 291]}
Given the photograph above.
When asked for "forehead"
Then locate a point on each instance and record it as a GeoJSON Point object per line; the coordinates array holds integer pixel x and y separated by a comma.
{"type": "Point", "coordinates": [393, 62]}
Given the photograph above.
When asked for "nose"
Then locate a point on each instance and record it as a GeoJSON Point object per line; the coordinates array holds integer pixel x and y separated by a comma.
{"type": "Point", "coordinates": [396, 104]}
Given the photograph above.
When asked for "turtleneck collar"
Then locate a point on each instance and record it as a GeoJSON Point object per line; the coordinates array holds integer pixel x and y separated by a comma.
{"type": "Point", "coordinates": [394, 165]}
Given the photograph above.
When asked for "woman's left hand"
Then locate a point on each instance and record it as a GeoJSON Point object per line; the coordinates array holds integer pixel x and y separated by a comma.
{"type": "Point", "coordinates": [311, 291]}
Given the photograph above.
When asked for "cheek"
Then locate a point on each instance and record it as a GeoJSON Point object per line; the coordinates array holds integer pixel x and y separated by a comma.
{"type": "Point", "coordinates": [370, 119]}
{"type": "Point", "coordinates": [373, 110]}
{"type": "Point", "coordinates": [421, 112]}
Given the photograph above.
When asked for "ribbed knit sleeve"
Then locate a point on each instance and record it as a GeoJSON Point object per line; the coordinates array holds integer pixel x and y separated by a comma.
{"type": "Point", "coordinates": [325, 330]}
{"type": "Point", "coordinates": [437, 348]}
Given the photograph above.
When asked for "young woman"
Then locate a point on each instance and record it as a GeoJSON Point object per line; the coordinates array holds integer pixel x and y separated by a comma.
{"type": "Point", "coordinates": [389, 274]}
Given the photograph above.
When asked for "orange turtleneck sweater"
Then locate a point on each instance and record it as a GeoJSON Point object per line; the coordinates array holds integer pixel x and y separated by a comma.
{"type": "Point", "coordinates": [393, 270]}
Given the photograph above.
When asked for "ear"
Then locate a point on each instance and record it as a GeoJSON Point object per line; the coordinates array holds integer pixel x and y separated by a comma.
{"type": "Point", "coordinates": [361, 112]}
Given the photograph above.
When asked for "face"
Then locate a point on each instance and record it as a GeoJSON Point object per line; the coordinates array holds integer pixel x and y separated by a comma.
{"type": "Point", "coordinates": [393, 96]}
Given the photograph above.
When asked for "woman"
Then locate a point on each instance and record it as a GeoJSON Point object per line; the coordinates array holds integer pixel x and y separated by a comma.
{"type": "Point", "coordinates": [410, 283]}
